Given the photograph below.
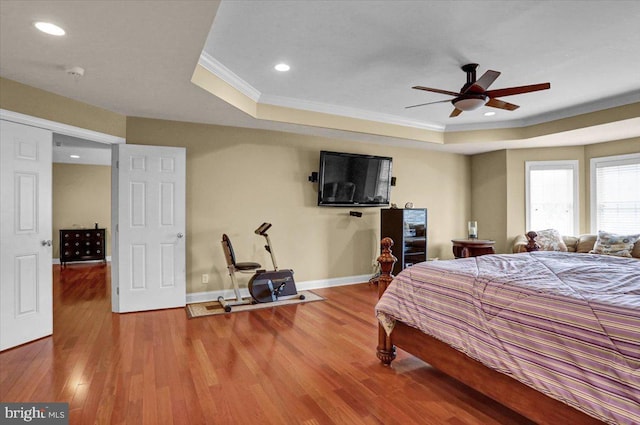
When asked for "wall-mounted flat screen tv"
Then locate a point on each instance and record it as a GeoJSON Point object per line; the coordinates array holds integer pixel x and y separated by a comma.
{"type": "Point", "coordinates": [349, 179]}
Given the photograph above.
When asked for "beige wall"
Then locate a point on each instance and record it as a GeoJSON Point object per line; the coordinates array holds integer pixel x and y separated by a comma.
{"type": "Point", "coordinates": [238, 178]}
{"type": "Point", "coordinates": [489, 183]}
{"type": "Point", "coordinates": [42, 104]}
{"type": "Point", "coordinates": [81, 198]}
{"type": "Point", "coordinates": [501, 208]}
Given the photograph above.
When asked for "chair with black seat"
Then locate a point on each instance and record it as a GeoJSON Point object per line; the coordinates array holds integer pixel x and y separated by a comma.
{"type": "Point", "coordinates": [232, 267]}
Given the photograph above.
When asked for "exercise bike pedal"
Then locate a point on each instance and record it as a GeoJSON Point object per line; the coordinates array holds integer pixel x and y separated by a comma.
{"type": "Point", "coordinates": [276, 292]}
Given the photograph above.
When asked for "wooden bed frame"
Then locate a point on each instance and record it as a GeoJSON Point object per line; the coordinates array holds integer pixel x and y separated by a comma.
{"type": "Point", "coordinates": [506, 390]}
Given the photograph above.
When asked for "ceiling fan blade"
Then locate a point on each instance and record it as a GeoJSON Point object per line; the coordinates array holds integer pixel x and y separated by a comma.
{"type": "Point", "coordinates": [450, 93]}
{"type": "Point", "coordinates": [483, 83]}
{"type": "Point", "coordinates": [428, 103]}
{"type": "Point", "coordinates": [455, 113]}
{"type": "Point", "coordinates": [518, 90]}
{"type": "Point", "coordinates": [501, 104]}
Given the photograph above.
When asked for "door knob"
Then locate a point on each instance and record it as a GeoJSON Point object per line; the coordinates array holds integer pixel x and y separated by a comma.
{"type": "Point", "coordinates": [180, 235]}
{"type": "Point", "coordinates": [46, 243]}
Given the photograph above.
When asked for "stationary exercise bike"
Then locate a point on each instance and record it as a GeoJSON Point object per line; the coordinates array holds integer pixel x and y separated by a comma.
{"type": "Point", "coordinates": [264, 286]}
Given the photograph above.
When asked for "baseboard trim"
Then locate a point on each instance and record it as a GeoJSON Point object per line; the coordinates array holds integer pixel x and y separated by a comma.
{"type": "Point", "coordinates": [200, 297]}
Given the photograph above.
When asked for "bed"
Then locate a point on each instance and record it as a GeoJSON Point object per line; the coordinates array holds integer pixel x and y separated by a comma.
{"type": "Point", "coordinates": [553, 336]}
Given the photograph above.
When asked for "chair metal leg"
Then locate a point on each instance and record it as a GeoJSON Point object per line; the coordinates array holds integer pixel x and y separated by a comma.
{"type": "Point", "coordinates": [228, 305]}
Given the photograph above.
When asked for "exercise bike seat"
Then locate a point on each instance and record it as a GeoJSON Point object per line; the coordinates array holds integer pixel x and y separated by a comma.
{"type": "Point", "coordinates": [231, 257]}
{"type": "Point", "coordinates": [247, 266]}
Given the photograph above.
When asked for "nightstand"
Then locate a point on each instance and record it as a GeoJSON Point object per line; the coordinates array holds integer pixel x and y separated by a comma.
{"type": "Point", "coordinates": [464, 248]}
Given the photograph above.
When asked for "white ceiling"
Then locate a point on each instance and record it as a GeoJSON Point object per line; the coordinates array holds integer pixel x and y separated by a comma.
{"type": "Point", "coordinates": [368, 55]}
{"type": "Point", "coordinates": [357, 57]}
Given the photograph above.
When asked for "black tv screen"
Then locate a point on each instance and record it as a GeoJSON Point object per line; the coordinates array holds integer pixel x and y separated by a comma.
{"type": "Point", "coordinates": [348, 179]}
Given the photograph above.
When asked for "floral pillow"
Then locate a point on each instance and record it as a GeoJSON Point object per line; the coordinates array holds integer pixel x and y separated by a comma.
{"type": "Point", "coordinates": [613, 244]}
{"type": "Point", "coordinates": [550, 240]}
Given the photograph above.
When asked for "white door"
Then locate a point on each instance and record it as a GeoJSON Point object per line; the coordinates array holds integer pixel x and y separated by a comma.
{"type": "Point", "coordinates": [26, 298]}
{"type": "Point", "coordinates": [148, 215]}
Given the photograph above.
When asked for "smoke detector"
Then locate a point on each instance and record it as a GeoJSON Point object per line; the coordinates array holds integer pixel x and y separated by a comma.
{"type": "Point", "coordinates": [75, 71]}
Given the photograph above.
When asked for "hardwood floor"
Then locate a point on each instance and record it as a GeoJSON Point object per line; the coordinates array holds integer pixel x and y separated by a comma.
{"type": "Point", "coordinates": [310, 364]}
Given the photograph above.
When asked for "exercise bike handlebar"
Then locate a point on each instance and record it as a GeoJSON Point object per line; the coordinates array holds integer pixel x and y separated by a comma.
{"type": "Point", "coordinates": [262, 230]}
{"type": "Point", "coordinates": [270, 251]}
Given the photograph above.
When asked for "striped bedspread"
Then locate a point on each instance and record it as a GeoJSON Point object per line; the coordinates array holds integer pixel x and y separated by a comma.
{"type": "Point", "coordinates": [565, 324]}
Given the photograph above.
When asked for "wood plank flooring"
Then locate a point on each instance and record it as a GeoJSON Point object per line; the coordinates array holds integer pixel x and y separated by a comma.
{"type": "Point", "coordinates": [305, 364]}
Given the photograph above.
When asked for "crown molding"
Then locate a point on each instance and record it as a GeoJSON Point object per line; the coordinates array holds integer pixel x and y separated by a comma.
{"type": "Point", "coordinates": [586, 108]}
{"type": "Point", "coordinates": [346, 111]}
{"type": "Point", "coordinates": [56, 127]}
{"type": "Point", "coordinates": [574, 111]}
{"type": "Point", "coordinates": [218, 69]}
{"type": "Point", "coordinates": [212, 65]}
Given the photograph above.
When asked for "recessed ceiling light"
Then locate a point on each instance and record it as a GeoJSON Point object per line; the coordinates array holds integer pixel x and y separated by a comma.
{"type": "Point", "coordinates": [49, 28]}
{"type": "Point", "coordinates": [282, 67]}
{"type": "Point", "coordinates": [74, 156]}
{"type": "Point", "coordinates": [489, 114]}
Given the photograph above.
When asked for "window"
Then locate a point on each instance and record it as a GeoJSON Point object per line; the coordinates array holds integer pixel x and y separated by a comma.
{"type": "Point", "coordinates": [384, 177]}
{"type": "Point", "coordinates": [552, 196]}
{"type": "Point", "coordinates": [615, 194]}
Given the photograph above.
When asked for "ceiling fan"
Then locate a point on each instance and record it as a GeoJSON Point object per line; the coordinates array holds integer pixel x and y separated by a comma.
{"type": "Point", "coordinates": [474, 93]}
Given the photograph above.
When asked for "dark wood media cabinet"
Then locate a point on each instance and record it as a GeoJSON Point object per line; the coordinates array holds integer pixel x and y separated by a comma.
{"type": "Point", "coordinates": [82, 245]}
{"type": "Point", "coordinates": [408, 228]}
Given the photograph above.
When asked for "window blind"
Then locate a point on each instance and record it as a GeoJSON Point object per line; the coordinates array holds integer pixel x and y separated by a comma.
{"type": "Point", "coordinates": [551, 200]}
{"type": "Point", "coordinates": [618, 196]}
{"type": "Point", "coordinates": [551, 195]}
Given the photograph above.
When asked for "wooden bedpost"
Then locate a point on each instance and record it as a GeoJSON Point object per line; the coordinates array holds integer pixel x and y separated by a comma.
{"type": "Point", "coordinates": [386, 351]}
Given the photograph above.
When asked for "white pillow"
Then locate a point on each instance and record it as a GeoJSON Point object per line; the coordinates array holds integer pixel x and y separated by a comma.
{"type": "Point", "coordinates": [613, 244]}
{"type": "Point", "coordinates": [550, 240]}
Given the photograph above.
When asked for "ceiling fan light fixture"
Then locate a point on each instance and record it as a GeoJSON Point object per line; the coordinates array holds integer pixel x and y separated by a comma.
{"type": "Point", "coordinates": [470, 102]}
